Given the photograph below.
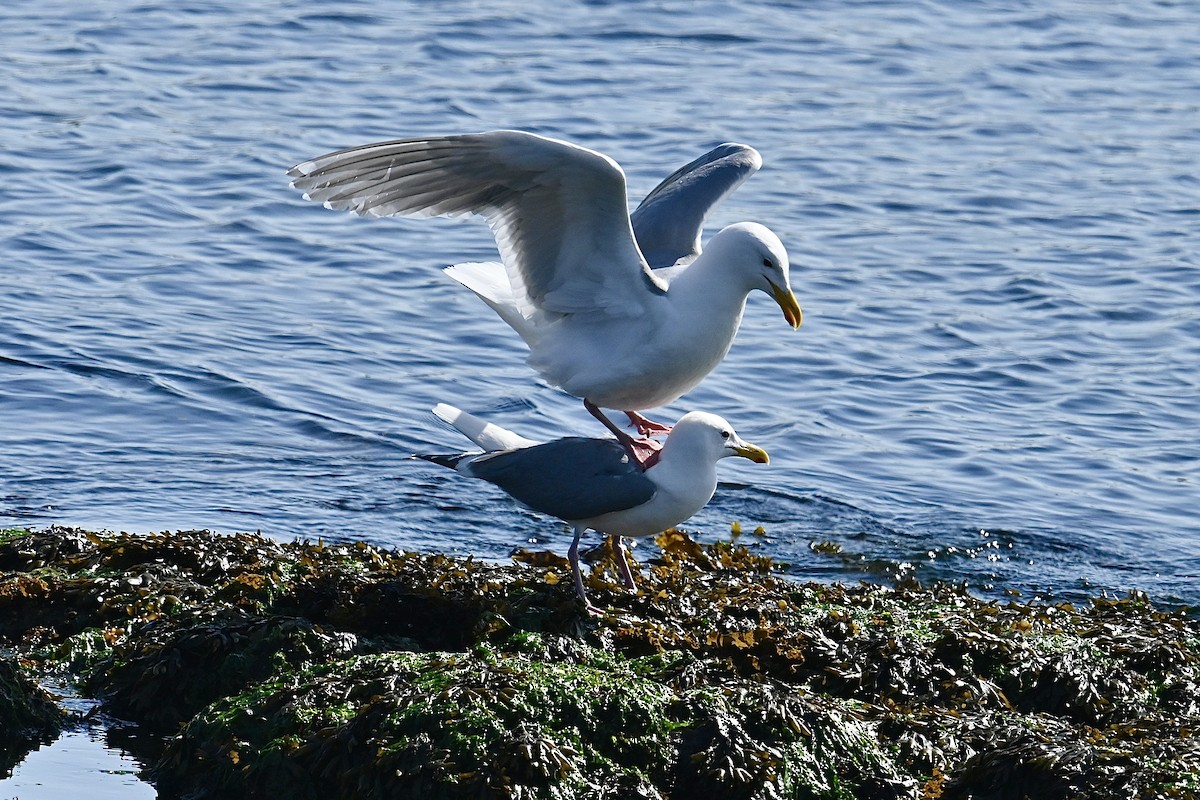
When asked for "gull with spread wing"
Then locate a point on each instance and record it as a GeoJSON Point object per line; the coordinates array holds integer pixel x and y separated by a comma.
{"type": "Point", "coordinates": [601, 321]}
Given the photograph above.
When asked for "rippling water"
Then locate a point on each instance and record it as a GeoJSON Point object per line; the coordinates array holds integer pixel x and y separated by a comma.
{"type": "Point", "coordinates": [992, 210]}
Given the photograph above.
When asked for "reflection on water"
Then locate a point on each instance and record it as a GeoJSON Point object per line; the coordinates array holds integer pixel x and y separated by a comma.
{"type": "Point", "coordinates": [77, 759]}
{"type": "Point", "coordinates": [82, 760]}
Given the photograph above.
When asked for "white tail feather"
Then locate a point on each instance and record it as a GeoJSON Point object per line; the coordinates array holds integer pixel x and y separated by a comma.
{"type": "Point", "coordinates": [489, 280]}
{"type": "Point", "coordinates": [484, 434]}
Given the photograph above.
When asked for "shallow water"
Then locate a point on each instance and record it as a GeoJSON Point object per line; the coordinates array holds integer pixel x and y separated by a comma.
{"type": "Point", "coordinates": [90, 754]}
{"type": "Point", "coordinates": [77, 759]}
{"type": "Point", "coordinates": [992, 212]}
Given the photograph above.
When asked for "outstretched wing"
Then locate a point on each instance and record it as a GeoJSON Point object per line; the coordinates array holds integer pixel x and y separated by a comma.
{"type": "Point", "coordinates": [558, 211]}
{"type": "Point", "coordinates": [572, 479]}
{"type": "Point", "coordinates": [668, 222]}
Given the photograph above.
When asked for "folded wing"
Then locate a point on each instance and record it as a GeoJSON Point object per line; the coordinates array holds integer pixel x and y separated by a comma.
{"type": "Point", "coordinates": [572, 478]}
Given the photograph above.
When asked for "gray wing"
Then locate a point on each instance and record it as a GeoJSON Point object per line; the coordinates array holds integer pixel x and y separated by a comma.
{"type": "Point", "coordinates": [668, 222]}
{"type": "Point", "coordinates": [572, 479]}
{"type": "Point", "coordinates": [559, 212]}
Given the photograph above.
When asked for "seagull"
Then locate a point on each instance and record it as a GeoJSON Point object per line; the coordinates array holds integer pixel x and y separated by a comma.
{"type": "Point", "coordinates": [594, 484]}
{"type": "Point", "coordinates": [601, 322]}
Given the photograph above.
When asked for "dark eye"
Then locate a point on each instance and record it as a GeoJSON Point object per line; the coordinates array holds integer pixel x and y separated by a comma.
{"type": "Point", "coordinates": [725, 434]}
{"type": "Point", "coordinates": [768, 263]}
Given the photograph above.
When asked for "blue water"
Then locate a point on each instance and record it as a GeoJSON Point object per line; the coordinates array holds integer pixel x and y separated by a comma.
{"type": "Point", "coordinates": [993, 211]}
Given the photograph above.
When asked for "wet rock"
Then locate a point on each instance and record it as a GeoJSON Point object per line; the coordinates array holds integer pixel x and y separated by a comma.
{"type": "Point", "coordinates": [347, 670]}
{"type": "Point", "coordinates": [28, 714]}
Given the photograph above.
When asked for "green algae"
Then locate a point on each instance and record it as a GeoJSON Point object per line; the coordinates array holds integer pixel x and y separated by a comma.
{"type": "Point", "coordinates": [347, 670]}
{"type": "Point", "coordinates": [480, 724]}
{"type": "Point", "coordinates": [433, 725]}
{"type": "Point", "coordinates": [10, 534]}
{"type": "Point", "coordinates": [172, 669]}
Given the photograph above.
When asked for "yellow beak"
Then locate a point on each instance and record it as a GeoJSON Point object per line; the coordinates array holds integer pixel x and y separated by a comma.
{"type": "Point", "coordinates": [791, 308]}
{"type": "Point", "coordinates": [755, 454]}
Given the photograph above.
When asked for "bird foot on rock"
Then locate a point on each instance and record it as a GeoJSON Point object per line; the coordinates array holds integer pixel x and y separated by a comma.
{"type": "Point", "coordinates": [646, 427]}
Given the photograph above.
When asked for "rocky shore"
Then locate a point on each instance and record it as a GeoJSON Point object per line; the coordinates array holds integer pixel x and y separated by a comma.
{"type": "Point", "coordinates": [307, 670]}
{"type": "Point", "coordinates": [28, 714]}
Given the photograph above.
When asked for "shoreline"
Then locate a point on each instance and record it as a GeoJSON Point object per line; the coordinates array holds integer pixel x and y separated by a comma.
{"type": "Point", "coordinates": [350, 670]}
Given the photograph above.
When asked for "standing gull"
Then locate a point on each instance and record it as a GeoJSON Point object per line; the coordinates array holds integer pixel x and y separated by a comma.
{"type": "Point", "coordinates": [573, 282]}
{"type": "Point", "coordinates": [592, 483]}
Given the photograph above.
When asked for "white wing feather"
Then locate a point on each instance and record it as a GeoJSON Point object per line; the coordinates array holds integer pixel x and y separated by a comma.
{"type": "Point", "coordinates": [558, 211]}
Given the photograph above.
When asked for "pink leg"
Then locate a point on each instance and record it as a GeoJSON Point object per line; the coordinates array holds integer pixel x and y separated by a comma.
{"type": "Point", "coordinates": [573, 557]}
{"type": "Point", "coordinates": [622, 563]}
{"type": "Point", "coordinates": [646, 427]}
{"type": "Point", "coordinates": [643, 451]}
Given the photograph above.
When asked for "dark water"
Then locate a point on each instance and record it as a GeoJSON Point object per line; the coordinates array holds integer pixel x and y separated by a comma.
{"type": "Point", "coordinates": [993, 211]}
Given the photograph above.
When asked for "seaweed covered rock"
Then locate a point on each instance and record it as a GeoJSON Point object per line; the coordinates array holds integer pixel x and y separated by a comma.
{"type": "Point", "coordinates": [28, 715]}
{"type": "Point", "coordinates": [489, 723]}
{"type": "Point", "coordinates": [352, 671]}
{"type": "Point", "coordinates": [169, 672]}
{"type": "Point", "coordinates": [429, 725]}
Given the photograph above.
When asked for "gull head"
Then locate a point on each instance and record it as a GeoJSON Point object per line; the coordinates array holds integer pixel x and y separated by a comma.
{"type": "Point", "coordinates": [708, 438]}
{"type": "Point", "coordinates": [756, 252]}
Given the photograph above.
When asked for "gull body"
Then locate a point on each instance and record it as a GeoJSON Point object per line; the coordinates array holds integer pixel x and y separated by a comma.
{"type": "Point", "coordinates": [593, 483]}
{"type": "Point", "coordinates": [655, 345]}
{"type": "Point", "coordinates": [599, 321]}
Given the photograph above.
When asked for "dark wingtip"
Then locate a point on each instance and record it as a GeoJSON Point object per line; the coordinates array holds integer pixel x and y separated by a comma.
{"type": "Point", "coordinates": [448, 460]}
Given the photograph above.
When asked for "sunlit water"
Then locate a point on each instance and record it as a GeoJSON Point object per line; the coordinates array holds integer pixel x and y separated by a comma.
{"type": "Point", "coordinates": [992, 210]}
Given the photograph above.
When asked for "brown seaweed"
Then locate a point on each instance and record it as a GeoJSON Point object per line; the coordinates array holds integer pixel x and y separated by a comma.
{"type": "Point", "coordinates": [349, 670]}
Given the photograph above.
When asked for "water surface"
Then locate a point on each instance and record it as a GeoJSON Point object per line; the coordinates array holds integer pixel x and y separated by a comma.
{"type": "Point", "coordinates": [992, 211]}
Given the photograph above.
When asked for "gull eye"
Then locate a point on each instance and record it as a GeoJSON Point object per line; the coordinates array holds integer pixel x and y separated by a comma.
{"type": "Point", "coordinates": [725, 434]}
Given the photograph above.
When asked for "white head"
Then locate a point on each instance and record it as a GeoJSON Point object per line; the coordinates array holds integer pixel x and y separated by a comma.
{"type": "Point", "coordinates": [707, 438]}
{"type": "Point", "coordinates": [757, 252]}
